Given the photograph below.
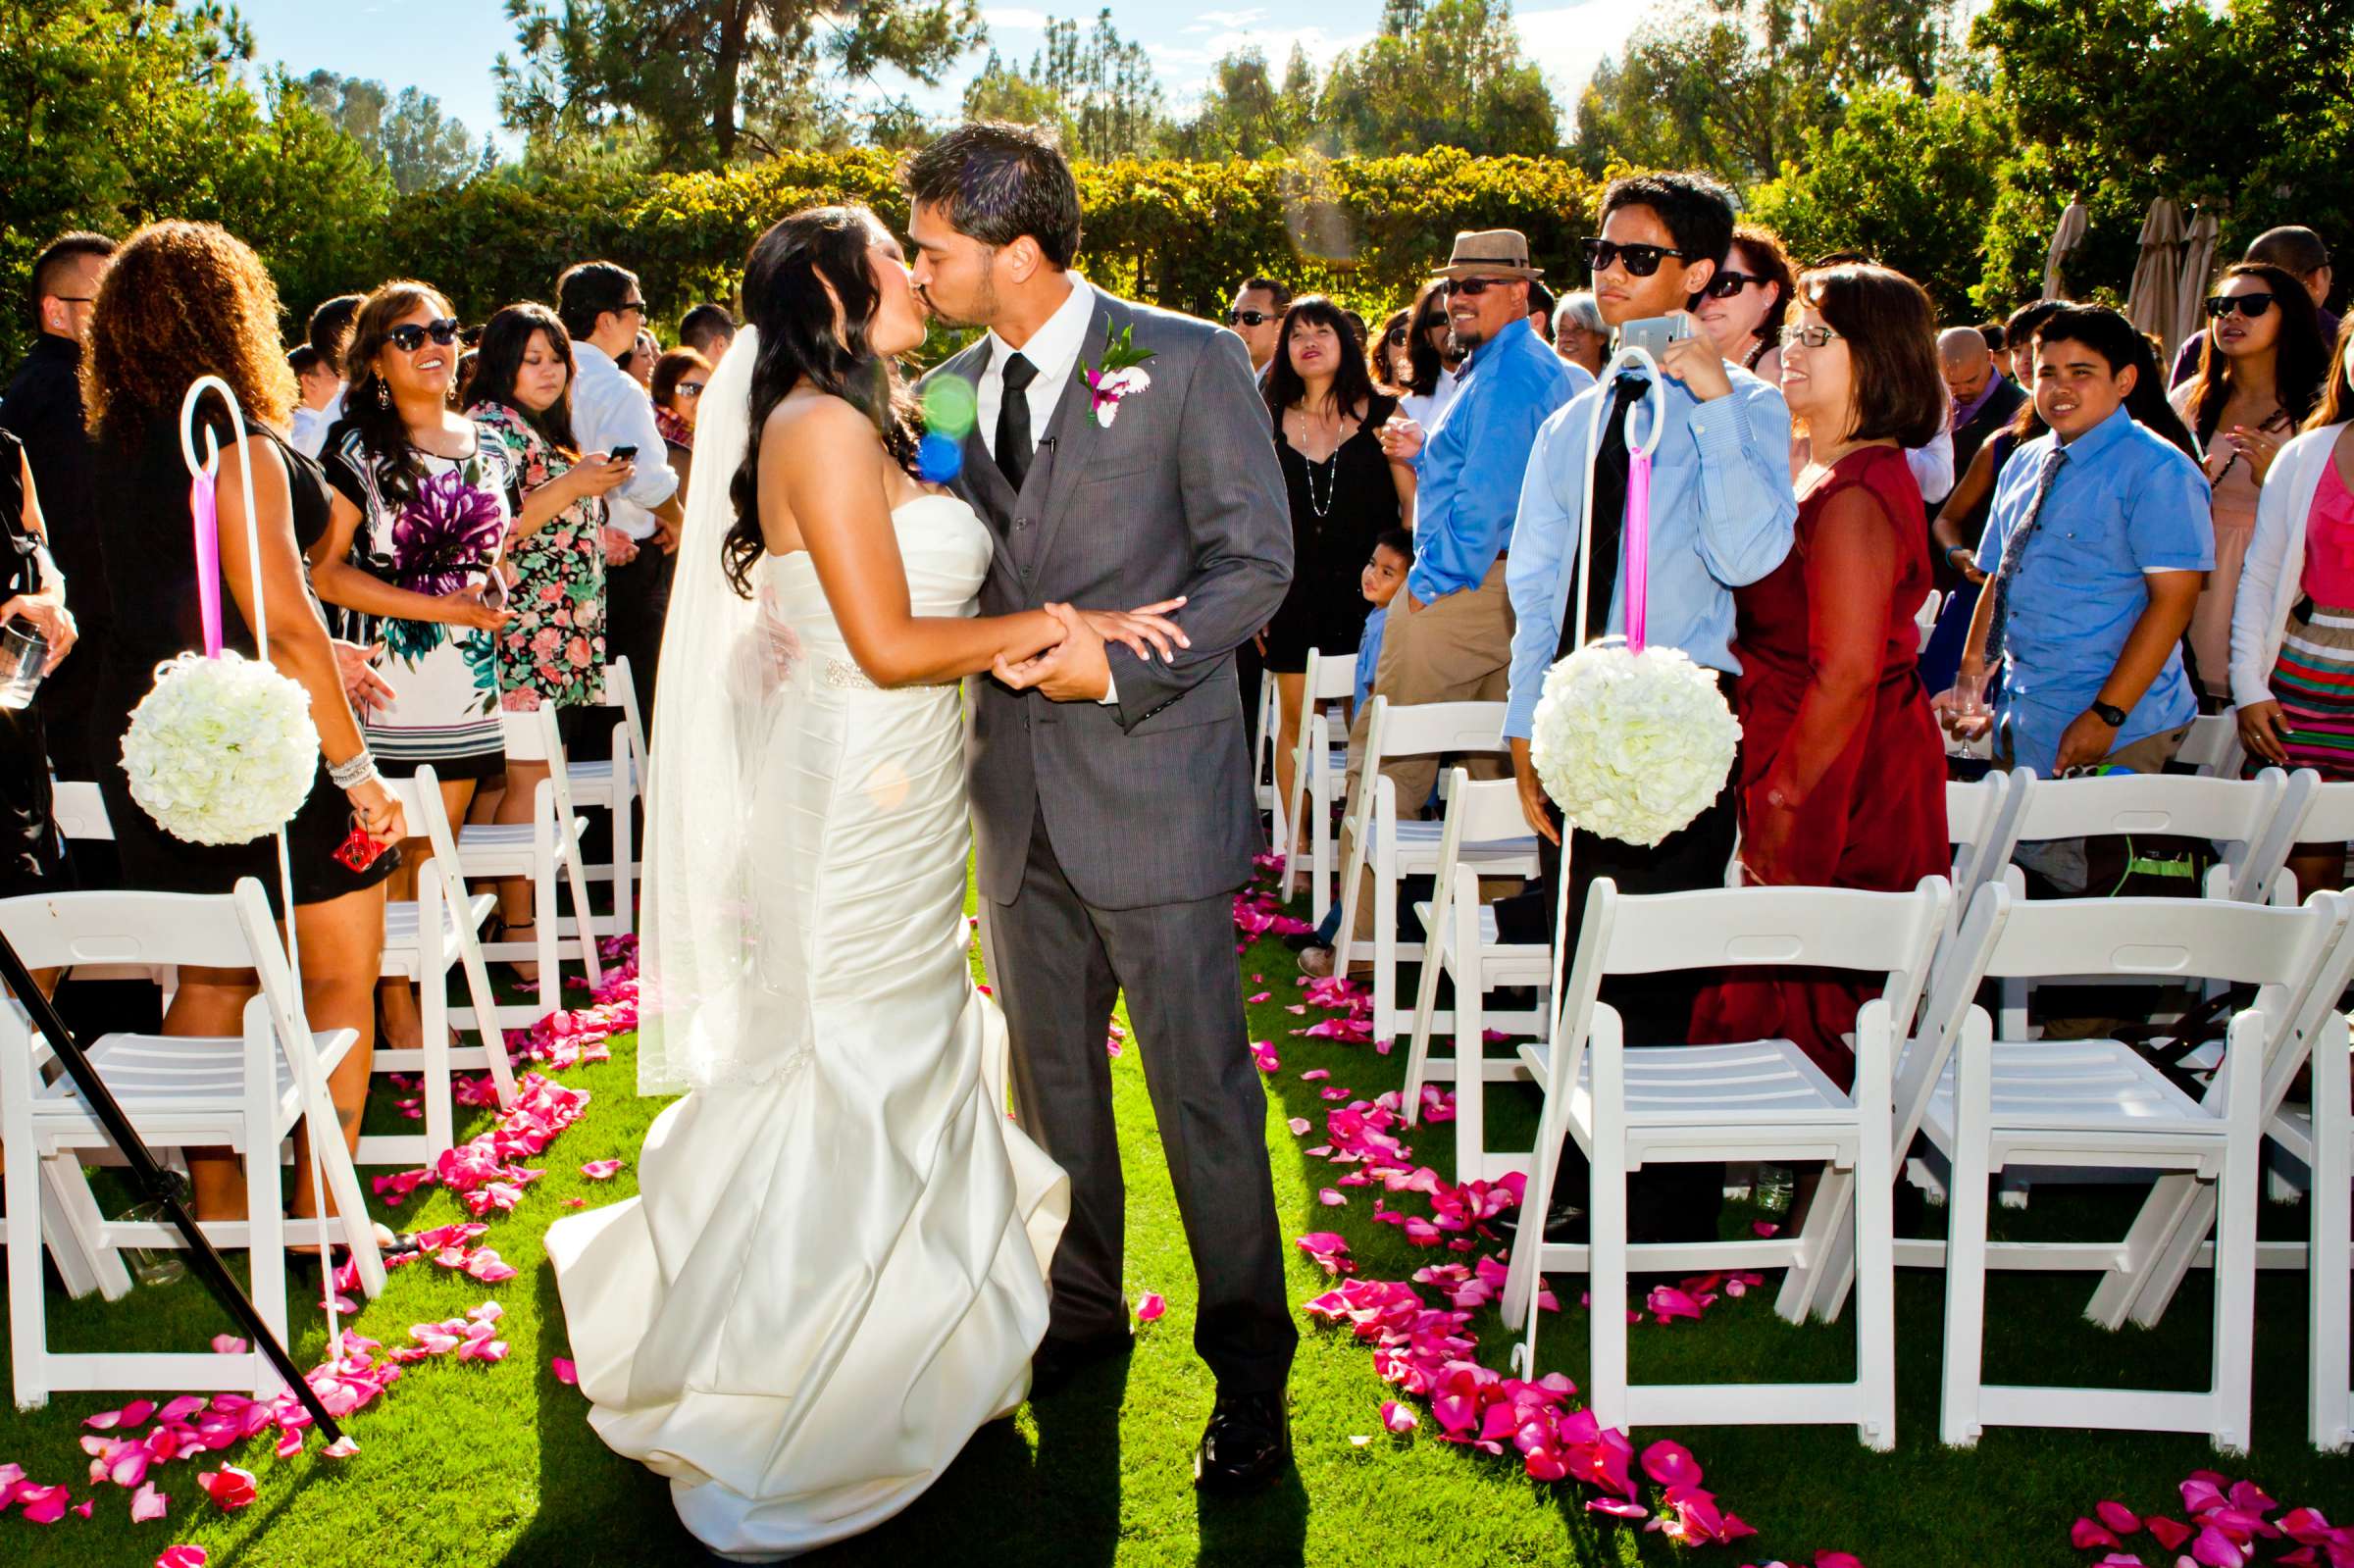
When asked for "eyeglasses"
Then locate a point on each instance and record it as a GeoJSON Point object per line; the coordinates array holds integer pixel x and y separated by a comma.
{"type": "Point", "coordinates": [1394, 337]}
{"type": "Point", "coordinates": [1808, 337]}
{"type": "Point", "coordinates": [691, 388]}
{"type": "Point", "coordinates": [2251, 306]}
{"type": "Point", "coordinates": [1724, 286]}
{"type": "Point", "coordinates": [1434, 323]}
{"type": "Point", "coordinates": [630, 306]}
{"type": "Point", "coordinates": [1248, 318]}
{"type": "Point", "coordinates": [409, 337]}
{"type": "Point", "coordinates": [1640, 260]}
{"type": "Point", "coordinates": [1473, 288]}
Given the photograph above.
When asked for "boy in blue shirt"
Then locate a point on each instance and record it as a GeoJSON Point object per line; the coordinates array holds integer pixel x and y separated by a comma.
{"type": "Point", "coordinates": [1384, 574]}
{"type": "Point", "coordinates": [2095, 551]}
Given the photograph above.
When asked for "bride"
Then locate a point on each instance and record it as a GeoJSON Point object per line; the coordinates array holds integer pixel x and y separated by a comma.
{"type": "Point", "coordinates": [836, 1270]}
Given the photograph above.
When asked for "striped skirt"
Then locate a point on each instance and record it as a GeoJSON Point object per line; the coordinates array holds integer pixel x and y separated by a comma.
{"type": "Point", "coordinates": [2313, 682]}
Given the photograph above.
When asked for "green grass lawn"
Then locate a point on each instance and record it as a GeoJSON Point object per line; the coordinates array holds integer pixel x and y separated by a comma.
{"type": "Point", "coordinates": [462, 1463]}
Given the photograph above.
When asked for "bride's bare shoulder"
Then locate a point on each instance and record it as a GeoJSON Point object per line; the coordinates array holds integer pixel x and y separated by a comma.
{"type": "Point", "coordinates": [809, 423]}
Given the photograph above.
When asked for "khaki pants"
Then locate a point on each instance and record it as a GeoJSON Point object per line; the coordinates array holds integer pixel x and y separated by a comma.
{"type": "Point", "coordinates": [2149, 754]}
{"type": "Point", "coordinates": [1456, 650]}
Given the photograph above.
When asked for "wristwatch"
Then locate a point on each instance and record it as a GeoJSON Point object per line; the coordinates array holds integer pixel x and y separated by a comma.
{"type": "Point", "coordinates": [2110, 714]}
{"type": "Point", "coordinates": [1969, 557]}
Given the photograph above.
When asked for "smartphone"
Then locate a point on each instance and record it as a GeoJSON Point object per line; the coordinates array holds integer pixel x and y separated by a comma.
{"type": "Point", "coordinates": [1652, 333]}
{"type": "Point", "coordinates": [624, 453]}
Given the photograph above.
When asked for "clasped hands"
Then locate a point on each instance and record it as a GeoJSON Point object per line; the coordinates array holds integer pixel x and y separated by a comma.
{"type": "Point", "coordinates": [1076, 666]}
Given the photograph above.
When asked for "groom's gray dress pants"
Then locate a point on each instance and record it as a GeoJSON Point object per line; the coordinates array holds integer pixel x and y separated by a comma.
{"type": "Point", "coordinates": [1057, 964]}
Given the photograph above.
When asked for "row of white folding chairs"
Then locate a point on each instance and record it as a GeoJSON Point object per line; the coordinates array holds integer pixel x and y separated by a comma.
{"type": "Point", "coordinates": [247, 1093]}
{"type": "Point", "coordinates": [1319, 765]}
{"type": "Point", "coordinates": [1986, 819]}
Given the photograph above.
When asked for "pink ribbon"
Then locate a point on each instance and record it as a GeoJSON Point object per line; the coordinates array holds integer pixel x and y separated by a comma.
{"type": "Point", "coordinates": [1637, 546]}
{"type": "Point", "coordinates": [203, 505]}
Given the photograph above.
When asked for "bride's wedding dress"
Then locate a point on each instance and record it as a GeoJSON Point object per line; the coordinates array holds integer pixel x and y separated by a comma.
{"type": "Point", "coordinates": [836, 1270]}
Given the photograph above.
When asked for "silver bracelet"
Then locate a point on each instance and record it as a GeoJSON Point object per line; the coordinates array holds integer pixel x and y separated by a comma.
{"type": "Point", "coordinates": [359, 770]}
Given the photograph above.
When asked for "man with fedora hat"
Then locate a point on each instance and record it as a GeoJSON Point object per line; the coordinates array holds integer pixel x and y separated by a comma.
{"type": "Point", "coordinates": [1453, 642]}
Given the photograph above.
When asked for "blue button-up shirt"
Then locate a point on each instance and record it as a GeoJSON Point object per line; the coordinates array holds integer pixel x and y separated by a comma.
{"type": "Point", "coordinates": [1469, 481]}
{"type": "Point", "coordinates": [1722, 515]}
{"type": "Point", "coordinates": [2125, 503]}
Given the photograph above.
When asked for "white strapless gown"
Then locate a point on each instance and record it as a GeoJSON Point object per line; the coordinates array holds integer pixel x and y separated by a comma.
{"type": "Point", "coordinates": [832, 1278]}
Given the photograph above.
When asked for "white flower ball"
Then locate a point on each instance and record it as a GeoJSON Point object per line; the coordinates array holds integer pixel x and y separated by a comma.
{"type": "Point", "coordinates": [1632, 745]}
{"type": "Point", "coordinates": [222, 750]}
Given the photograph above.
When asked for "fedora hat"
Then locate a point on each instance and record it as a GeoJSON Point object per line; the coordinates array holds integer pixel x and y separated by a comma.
{"type": "Point", "coordinates": [1490, 253]}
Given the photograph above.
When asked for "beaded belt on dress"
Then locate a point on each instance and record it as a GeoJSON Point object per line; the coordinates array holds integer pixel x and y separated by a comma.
{"type": "Point", "coordinates": [844, 675]}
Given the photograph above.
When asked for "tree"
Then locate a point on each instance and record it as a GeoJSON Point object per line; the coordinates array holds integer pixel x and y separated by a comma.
{"type": "Point", "coordinates": [1244, 113]}
{"type": "Point", "coordinates": [1098, 91]}
{"type": "Point", "coordinates": [1906, 180]}
{"type": "Point", "coordinates": [1446, 72]}
{"type": "Point", "coordinates": [419, 145]}
{"type": "Point", "coordinates": [1734, 86]}
{"type": "Point", "coordinates": [714, 79]}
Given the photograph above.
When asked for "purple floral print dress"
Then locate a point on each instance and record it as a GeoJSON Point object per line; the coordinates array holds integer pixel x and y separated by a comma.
{"type": "Point", "coordinates": [450, 533]}
{"type": "Point", "coordinates": [554, 649]}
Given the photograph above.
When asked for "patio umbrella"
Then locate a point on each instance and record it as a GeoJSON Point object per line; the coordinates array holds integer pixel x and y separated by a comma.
{"type": "Point", "coordinates": [2151, 304]}
{"type": "Point", "coordinates": [2065, 238]}
{"type": "Point", "coordinates": [2198, 260]}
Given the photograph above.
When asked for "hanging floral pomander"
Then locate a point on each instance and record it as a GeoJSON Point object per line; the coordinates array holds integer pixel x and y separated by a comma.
{"type": "Point", "coordinates": [222, 750]}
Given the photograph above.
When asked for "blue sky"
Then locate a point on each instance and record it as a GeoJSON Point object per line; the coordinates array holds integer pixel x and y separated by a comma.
{"type": "Point", "coordinates": [447, 46]}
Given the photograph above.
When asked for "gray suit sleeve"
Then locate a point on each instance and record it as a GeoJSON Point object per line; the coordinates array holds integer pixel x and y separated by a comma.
{"type": "Point", "coordinates": [1238, 525]}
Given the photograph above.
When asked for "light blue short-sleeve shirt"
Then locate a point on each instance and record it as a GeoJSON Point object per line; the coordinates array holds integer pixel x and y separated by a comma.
{"type": "Point", "coordinates": [2127, 503]}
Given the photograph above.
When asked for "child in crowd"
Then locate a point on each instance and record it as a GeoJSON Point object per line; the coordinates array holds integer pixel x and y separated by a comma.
{"type": "Point", "coordinates": [1384, 574]}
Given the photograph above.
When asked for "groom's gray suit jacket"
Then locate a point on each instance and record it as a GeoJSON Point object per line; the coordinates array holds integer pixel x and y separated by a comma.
{"type": "Point", "coordinates": [1146, 801]}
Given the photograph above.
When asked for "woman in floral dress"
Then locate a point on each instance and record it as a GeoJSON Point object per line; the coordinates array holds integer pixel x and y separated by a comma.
{"type": "Point", "coordinates": [553, 652]}
{"type": "Point", "coordinates": [412, 554]}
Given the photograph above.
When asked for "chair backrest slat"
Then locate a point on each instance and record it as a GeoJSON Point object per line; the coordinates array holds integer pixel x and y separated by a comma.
{"type": "Point", "coordinates": [54, 930]}
{"type": "Point", "coordinates": [1434, 728]}
{"type": "Point", "coordinates": [2235, 813]}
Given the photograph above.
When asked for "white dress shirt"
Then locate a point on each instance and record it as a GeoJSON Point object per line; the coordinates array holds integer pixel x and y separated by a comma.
{"type": "Point", "coordinates": [608, 409]}
{"type": "Point", "coordinates": [309, 425]}
{"type": "Point", "coordinates": [1054, 349]}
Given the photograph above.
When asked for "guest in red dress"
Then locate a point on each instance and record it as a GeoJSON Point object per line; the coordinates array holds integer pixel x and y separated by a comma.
{"type": "Point", "coordinates": [1842, 771]}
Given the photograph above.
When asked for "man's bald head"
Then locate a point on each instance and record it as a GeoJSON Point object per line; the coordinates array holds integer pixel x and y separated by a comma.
{"type": "Point", "coordinates": [1963, 356]}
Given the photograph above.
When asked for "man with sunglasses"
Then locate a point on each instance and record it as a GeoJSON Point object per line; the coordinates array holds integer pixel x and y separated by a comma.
{"type": "Point", "coordinates": [1722, 515]}
{"type": "Point", "coordinates": [1256, 317]}
{"type": "Point", "coordinates": [603, 308]}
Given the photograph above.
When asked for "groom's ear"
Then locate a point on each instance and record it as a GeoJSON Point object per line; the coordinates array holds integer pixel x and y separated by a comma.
{"type": "Point", "coordinates": [1024, 258]}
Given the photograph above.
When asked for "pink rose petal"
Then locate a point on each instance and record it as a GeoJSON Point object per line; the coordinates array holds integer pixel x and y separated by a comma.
{"type": "Point", "coordinates": [567, 1373]}
{"type": "Point", "coordinates": [229, 1486]}
{"type": "Point", "coordinates": [183, 1557]}
{"type": "Point", "coordinates": [1150, 1306]}
{"type": "Point", "coordinates": [147, 1505]}
{"type": "Point", "coordinates": [601, 1170]}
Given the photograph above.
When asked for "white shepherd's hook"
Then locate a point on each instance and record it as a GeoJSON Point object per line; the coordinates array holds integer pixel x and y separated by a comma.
{"type": "Point", "coordinates": [1627, 359]}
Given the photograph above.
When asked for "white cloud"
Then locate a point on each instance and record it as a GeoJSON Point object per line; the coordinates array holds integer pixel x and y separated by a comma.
{"type": "Point", "coordinates": [1014, 18]}
{"type": "Point", "coordinates": [1227, 21]}
{"type": "Point", "coordinates": [1569, 42]}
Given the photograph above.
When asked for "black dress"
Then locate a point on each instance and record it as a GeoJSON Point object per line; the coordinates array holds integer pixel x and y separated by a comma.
{"type": "Point", "coordinates": [143, 515]}
{"type": "Point", "coordinates": [30, 860]}
{"type": "Point", "coordinates": [1339, 508]}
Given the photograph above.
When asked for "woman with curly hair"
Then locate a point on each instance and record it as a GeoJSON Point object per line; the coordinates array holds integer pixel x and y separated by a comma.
{"type": "Point", "coordinates": [412, 550]}
{"type": "Point", "coordinates": [554, 649]}
{"type": "Point", "coordinates": [186, 300]}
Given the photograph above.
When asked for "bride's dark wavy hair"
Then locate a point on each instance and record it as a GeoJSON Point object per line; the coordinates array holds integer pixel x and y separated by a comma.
{"type": "Point", "coordinates": [785, 282]}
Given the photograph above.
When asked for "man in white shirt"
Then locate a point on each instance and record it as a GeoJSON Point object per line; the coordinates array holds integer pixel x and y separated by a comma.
{"type": "Point", "coordinates": [327, 330]}
{"type": "Point", "coordinates": [603, 308]}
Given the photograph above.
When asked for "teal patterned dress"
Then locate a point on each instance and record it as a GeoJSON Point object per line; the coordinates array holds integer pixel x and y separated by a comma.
{"type": "Point", "coordinates": [447, 534]}
{"type": "Point", "coordinates": [554, 649]}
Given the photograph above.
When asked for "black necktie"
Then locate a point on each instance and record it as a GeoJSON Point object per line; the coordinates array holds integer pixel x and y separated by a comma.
{"type": "Point", "coordinates": [1014, 445]}
{"type": "Point", "coordinates": [1610, 516]}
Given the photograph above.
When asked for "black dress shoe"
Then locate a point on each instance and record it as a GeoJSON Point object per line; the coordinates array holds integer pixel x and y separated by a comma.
{"type": "Point", "coordinates": [1059, 1358]}
{"type": "Point", "coordinates": [1247, 1443]}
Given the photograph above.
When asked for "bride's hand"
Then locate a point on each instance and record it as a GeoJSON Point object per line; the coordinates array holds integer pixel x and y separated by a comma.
{"type": "Point", "coordinates": [1143, 629]}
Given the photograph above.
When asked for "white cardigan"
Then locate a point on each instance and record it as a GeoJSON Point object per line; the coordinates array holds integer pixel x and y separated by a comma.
{"type": "Point", "coordinates": [2271, 576]}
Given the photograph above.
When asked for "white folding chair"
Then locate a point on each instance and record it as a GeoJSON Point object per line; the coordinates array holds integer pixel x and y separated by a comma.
{"type": "Point", "coordinates": [1924, 619]}
{"type": "Point", "coordinates": [615, 784]}
{"type": "Point", "coordinates": [1262, 761]}
{"type": "Point", "coordinates": [539, 849]}
{"type": "Point", "coordinates": [1465, 945]}
{"type": "Point", "coordinates": [1761, 1100]}
{"type": "Point", "coordinates": [425, 938]}
{"type": "Point", "coordinates": [2061, 1104]}
{"type": "Point", "coordinates": [2211, 748]}
{"type": "Point", "coordinates": [1982, 823]}
{"type": "Point", "coordinates": [246, 1092]}
{"type": "Point", "coordinates": [1396, 846]}
{"type": "Point", "coordinates": [2331, 1257]}
{"type": "Point", "coordinates": [70, 1225]}
{"type": "Point", "coordinates": [1318, 766]}
{"type": "Point", "coordinates": [80, 812]}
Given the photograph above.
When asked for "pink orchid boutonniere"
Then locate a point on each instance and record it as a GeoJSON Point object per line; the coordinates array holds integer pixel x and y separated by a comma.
{"type": "Point", "coordinates": [1120, 376]}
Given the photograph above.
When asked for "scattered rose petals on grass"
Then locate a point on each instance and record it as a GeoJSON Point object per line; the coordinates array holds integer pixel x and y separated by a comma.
{"type": "Point", "coordinates": [1150, 1307]}
{"type": "Point", "coordinates": [229, 1486]}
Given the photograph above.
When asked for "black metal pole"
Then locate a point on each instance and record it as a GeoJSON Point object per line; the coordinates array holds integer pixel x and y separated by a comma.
{"type": "Point", "coordinates": [157, 1184]}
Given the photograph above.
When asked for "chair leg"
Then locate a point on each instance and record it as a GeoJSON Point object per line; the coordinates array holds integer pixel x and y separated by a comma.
{"type": "Point", "coordinates": [29, 1349]}
{"type": "Point", "coordinates": [624, 892]}
{"type": "Point", "coordinates": [1874, 1210]}
{"type": "Point", "coordinates": [433, 1006]}
{"type": "Point", "coordinates": [1385, 952]}
{"type": "Point", "coordinates": [1426, 1002]}
{"type": "Point", "coordinates": [2187, 1214]}
{"type": "Point", "coordinates": [1471, 1044]}
{"type": "Point", "coordinates": [266, 1244]}
{"type": "Point", "coordinates": [577, 879]}
{"type": "Point", "coordinates": [1606, 1280]}
{"type": "Point", "coordinates": [543, 932]}
{"type": "Point", "coordinates": [1819, 1249]}
{"type": "Point", "coordinates": [1958, 1421]}
{"type": "Point", "coordinates": [2237, 1200]}
{"type": "Point", "coordinates": [76, 1209]}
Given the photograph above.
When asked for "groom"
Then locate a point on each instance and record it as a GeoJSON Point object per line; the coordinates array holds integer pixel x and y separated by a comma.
{"type": "Point", "coordinates": [1111, 796]}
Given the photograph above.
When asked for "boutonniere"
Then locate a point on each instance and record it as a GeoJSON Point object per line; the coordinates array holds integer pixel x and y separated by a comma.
{"type": "Point", "coordinates": [1120, 376]}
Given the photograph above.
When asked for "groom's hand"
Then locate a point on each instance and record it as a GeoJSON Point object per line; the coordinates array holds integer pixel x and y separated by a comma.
{"type": "Point", "coordinates": [1074, 670]}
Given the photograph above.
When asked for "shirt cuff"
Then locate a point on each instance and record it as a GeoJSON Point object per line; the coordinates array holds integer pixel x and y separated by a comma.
{"type": "Point", "coordinates": [1111, 691]}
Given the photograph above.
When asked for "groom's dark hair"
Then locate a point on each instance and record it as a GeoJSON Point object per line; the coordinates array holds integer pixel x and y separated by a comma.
{"type": "Point", "coordinates": [998, 181]}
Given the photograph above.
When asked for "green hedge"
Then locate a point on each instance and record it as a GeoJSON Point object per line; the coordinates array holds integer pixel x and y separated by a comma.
{"type": "Point", "coordinates": [1177, 234]}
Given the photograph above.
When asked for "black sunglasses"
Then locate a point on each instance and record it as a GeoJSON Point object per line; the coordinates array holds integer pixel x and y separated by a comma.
{"type": "Point", "coordinates": [1394, 337]}
{"type": "Point", "coordinates": [2251, 306]}
{"type": "Point", "coordinates": [1724, 286]}
{"type": "Point", "coordinates": [409, 337]}
{"type": "Point", "coordinates": [1473, 288]}
{"type": "Point", "coordinates": [1640, 260]}
{"type": "Point", "coordinates": [1249, 318]}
